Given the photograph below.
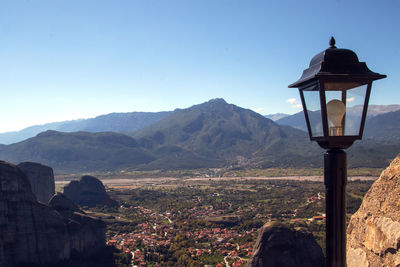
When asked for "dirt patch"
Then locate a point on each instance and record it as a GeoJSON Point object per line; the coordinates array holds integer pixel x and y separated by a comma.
{"type": "Point", "coordinates": [133, 183]}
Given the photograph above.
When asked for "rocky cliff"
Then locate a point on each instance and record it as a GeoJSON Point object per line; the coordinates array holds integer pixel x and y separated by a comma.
{"type": "Point", "coordinates": [85, 234]}
{"type": "Point", "coordinates": [41, 178]}
{"type": "Point", "coordinates": [280, 246]}
{"type": "Point", "coordinates": [34, 233]}
{"type": "Point", "coordinates": [373, 234]}
{"type": "Point", "coordinates": [88, 191]}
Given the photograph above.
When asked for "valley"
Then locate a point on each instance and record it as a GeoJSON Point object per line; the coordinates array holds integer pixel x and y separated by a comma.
{"type": "Point", "coordinates": [193, 187]}
{"type": "Point", "coordinates": [199, 221]}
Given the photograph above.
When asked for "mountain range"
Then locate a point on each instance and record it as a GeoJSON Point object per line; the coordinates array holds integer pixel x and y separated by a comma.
{"type": "Point", "coordinates": [118, 122]}
{"type": "Point", "coordinates": [384, 127]}
{"type": "Point", "coordinates": [208, 135]}
{"type": "Point", "coordinates": [297, 120]}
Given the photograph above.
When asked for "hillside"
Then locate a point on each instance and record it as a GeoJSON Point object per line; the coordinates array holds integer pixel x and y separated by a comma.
{"type": "Point", "coordinates": [212, 134]}
{"type": "Point", "coordinates": [78, 152]}
{"type": "Point", "coordinates": [222, 131]}
{"type": "Point", "coordinates": [384, 127]}
{"type": "Point", "coordinates": [114, 122]}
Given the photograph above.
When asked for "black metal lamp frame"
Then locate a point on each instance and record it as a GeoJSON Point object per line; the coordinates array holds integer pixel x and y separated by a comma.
{"type": "Point", "coordinates": [335, 66]}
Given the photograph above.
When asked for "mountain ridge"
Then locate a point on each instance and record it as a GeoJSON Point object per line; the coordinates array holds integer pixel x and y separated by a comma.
{"type": "Point", "coordinates": [213, 134]}
{"type": "Point", "coordinates": [129, 122]}
{"type": "Point", "coordinates": [121, 122]}
{"type": "Point", "coordinates": [297, 120]}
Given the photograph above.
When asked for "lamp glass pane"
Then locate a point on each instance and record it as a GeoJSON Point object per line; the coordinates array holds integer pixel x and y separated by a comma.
{"type": "Point", "coordinates": [344, 119]}
{"type": "Point", "coordinates": [312, 101]}
{"type": "Point", "coordinates": [355, 99]}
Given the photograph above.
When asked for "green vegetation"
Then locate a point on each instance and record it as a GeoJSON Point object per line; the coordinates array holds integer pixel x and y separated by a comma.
{"type": "Point", "coordinates": [203, 221]}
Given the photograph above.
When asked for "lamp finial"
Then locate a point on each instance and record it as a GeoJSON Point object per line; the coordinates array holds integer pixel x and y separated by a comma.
{"type": "Point", "coordinates": [332, 43]}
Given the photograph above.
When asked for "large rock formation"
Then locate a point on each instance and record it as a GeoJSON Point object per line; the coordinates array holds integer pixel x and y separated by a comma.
{"type": "Point", "coordinates": [85, 233]}
{"type": "Point", "coordinates": [34, 233]}
{"type": "Point", "coordinates": [373, 234]}
{"type": "Point", "coordinates": [280, 246]}
{"type": "Point", "coordinates": [88, 191]}
{"type": "Point", "coordinates": [64, 205]}
{"type": "Point", "coordinates": [41, 178]}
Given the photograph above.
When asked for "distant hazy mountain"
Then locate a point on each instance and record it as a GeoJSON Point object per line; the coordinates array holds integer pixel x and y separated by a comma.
{"type": "Point", "coordinates": [17, 136]}
{"type": "Point", "coordinates": [114, 122]}
{"type": "Point", "coordinates": [297, 120]}
{"type": "Point", "coordinates": [374, 110]}
{"type": "Point", "coordinates": [276, 116]}
{"type": "Point", "coordinates": [384, 127]}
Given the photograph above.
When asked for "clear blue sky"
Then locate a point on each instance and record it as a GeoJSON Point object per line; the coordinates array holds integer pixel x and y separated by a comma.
{"type": "Point", "coordinates": [69, 59]}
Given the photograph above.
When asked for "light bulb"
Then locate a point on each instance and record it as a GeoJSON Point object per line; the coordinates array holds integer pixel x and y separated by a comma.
{"type": "Point", "coordinates": [336, 110]}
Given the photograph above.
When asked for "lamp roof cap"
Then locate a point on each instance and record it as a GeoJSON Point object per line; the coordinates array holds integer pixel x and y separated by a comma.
{"type": "Point", "coordinates": [336, 62]}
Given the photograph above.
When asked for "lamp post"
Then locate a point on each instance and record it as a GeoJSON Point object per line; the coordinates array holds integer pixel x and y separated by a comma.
{"type": "Point", "coordinates": [334, 82]}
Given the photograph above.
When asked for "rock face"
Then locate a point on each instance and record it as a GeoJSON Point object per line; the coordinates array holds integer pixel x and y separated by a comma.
{"type": "Point", "coordinates": [88, 191]}
{"type": "Point", "coordinates": [41, 178]}
{"type": "Point", "coordinates": [34, 233]}
{"type": "Point", "coordinates": [373, 234]}
{"type": "Point", "coordinates": [64, 205]}
{"type": "Point", "coordinates": [280, 246]}
{"type": "Point", "coordinates": [85, 234]}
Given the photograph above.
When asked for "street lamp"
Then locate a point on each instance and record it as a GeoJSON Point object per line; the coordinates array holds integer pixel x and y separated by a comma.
{"type": "Point", "coordinates": [334, 82]}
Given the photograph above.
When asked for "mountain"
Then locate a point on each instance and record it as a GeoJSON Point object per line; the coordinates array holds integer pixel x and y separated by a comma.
{"type": "Point", "coordinates": [133, 121]}
{"type": "Point", "coordinates": [17, 136]}
{"type": "Point", "coordinates": [276, 116]}
{"type": "Point", "coordinates": [114, 122]}
{"type": "Point", "coordinates": [375, 110]}
{"type": "Point", "coordinates": [225, 132]}
{"type": "Point", "coordinates": [297, 120]}
{"type": "Point", "coordinates": [384, 126]}
{"type": "Point", "coordinates": [213, 134]}
{"type": "Point", "coordinates": [78, 152]}
{"type": "Point", "coordinates": [372, 153]}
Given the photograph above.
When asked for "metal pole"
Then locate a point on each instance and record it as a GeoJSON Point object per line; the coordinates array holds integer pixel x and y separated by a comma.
{"type": "Point", "coordinates": [335, 178]}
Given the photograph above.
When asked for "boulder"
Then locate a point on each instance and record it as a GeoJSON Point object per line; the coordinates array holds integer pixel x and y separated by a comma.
{"type": "Point", "coordinates": [278, 245]}
{"type": "Point", "coordinates": [32, 233]}
{"type": "Point", "coordinates": [88, 191]}
{"type": "Point", "coordinates": [373, 233]}
{"type": "Point", "coordinates": [41, 178]}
